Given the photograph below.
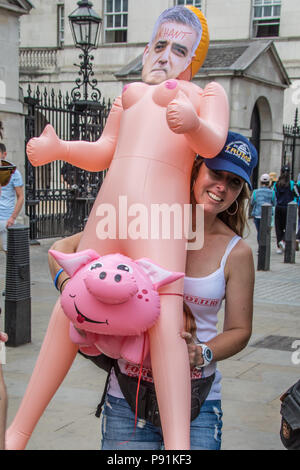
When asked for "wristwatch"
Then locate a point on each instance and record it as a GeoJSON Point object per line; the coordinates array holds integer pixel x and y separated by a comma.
{"type": "Point", "coordinates": [207, 355]}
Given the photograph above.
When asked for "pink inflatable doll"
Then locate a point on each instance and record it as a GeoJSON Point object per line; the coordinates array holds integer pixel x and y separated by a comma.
{"type": "Point", "coordinates": [149, 144]}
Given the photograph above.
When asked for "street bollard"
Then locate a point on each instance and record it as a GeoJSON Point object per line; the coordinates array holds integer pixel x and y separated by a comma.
{"type": "Point", "coordinates": [290, 233]}
{"type": "Point", "coordinates": [17, 289]}
{"type": "Point", "coordinates": [264, 247]}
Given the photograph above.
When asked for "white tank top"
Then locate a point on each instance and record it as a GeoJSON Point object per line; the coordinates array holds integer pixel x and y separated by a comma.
{"type": "Point", "coordinates": [204, 296]}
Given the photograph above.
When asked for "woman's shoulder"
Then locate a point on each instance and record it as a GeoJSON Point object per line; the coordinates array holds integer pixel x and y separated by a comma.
{"type": "Point", "coordinates": [241, 257]}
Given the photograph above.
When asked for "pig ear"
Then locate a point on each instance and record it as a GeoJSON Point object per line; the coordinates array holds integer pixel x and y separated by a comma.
{"type": "Point", "coordinates": [158, 275]}
{"type": "Point", "coordinates": [71, 262]}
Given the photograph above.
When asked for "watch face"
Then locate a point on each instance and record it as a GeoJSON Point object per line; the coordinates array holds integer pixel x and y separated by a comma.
{"type": "Point", "coordinates": [208, 354]}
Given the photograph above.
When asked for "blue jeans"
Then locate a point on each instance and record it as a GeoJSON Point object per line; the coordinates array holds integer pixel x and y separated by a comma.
{"type": "Point", "coordinates": [256, 221]}
{"type": "Point", "coordinates": [118, 428]}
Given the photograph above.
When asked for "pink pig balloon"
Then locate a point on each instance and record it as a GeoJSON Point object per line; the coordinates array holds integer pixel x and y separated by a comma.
{"type": "Point", "coordinates": [114, 300]}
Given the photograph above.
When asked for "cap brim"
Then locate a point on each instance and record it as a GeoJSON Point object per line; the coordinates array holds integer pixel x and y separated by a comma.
{"type": "Point", "coordinates": [225, 165]}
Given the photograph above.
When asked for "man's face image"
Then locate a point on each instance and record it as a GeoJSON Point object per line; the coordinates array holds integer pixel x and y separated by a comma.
{"type": "Point", "coordinates": [169, 54]}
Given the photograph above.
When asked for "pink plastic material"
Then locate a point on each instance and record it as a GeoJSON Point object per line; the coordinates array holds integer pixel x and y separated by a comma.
{"type": "Point", "coordinates": [114, 301]}
{"type": "Point", "coordinates": [149, 144]}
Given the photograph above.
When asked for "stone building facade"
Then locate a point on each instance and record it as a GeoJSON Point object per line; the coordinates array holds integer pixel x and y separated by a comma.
{"type": "Point", "coordinates": [11, 101]}
{"type": "Point", "coordinates": [253, 53]}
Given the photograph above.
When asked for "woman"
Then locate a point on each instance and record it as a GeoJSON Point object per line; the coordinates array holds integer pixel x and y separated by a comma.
{"type": "Point", "coordinates": [263, 195]}
{"type": "Point", "coordinates": [223, 268]}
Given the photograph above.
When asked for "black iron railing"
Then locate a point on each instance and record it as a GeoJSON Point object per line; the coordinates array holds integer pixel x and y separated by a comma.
{"type": "Point", "coordinates": [59, 196]}
{"type": "Point", "coordinates": [291, 146]}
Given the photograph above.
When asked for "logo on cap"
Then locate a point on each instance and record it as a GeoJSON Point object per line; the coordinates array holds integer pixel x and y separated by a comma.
{"type": "Point", "coordinates": [239, 149]}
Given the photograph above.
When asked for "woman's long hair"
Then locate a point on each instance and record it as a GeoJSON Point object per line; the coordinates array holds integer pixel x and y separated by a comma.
{"type": "Point", "coordinates": [236, 222]}
{"type": "Point", "coordinates": [284, 178]}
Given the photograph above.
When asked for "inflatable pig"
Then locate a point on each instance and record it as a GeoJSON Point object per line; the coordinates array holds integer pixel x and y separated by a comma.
{"type": "Point", "coordinates": [112, 301]}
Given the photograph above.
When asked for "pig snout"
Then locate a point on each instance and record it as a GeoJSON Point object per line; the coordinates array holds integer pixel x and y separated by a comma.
{"type": "Point", "coordinates": [111, 286]}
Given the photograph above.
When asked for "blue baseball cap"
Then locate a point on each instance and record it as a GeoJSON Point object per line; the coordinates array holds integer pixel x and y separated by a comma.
{"type": "Point", "coordinates": [238, 156]}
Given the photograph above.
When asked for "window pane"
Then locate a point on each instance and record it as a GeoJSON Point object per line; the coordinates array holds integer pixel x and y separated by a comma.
{"type": "Point", "coordinates": [189, 2]}
{"type": "Point", "coordinates": [257, 12]}
{"type": "Point", "coordinates": [117, 5]}
{"type": "Point", "coordinates": [277, 10]}
{"type": "Point", "coordinates": [109, 21]}
{"type": "Point", "coordinates": [118, 19]}
{"type": "Point", "coordinates": [263, 29]}
{"type": "Point", "coordinates": [268, 11]}
{"type": "Point", "coordinates": [125, 5]}
{"type": "Point", "coordinates": [109, 36]}
{"type": "Point", "coordinates": [109, 6]}
{"type": "Point", "coordinates": [125, 21]}
{"type": "Point", "coordinates": [120, 36]}
{"type": "Point", "coordinates": [180, 2]}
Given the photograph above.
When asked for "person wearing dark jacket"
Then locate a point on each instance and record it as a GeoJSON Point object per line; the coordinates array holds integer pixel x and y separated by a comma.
{"type": "Point", "coordinates": [285, 191]}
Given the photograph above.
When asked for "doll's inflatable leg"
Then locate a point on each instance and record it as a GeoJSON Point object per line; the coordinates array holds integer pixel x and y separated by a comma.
{"type": "Point", "coordinates": [171, 373]}
{"type": "Point", "coordinates": [54, 361]}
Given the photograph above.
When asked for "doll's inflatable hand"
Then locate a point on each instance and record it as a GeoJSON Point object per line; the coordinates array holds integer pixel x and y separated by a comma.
{"type": "Point", "coordinates": [46, 148]}
{"type": "Point", "coordinates": [181, 115]}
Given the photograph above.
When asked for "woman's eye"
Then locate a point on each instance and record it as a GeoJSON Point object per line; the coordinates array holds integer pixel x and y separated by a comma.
{"type": "Point", "coordinates": [237, 182]}
{"type": "Point", "coordinates": [95, 266]}
{"type": "Point", "coordinates": [215, 173]}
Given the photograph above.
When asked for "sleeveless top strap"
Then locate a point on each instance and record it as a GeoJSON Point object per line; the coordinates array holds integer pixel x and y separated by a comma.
{"type": "Point", "coordinates": [230, 246]}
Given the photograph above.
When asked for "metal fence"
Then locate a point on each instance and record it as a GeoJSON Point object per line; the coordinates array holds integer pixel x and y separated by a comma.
{"type": "Point", "coordinates": [291, 147]}
{"type": "Point", "coordinates": [59, 196]}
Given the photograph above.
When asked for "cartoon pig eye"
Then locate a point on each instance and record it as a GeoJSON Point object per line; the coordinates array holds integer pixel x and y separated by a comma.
{"type": "Point", "coordinates": [124, 267]}
{"type": "Point", "coordinates": [95, 266]}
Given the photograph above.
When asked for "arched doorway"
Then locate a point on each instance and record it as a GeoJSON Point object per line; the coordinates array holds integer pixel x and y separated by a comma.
{"type": "Point", "coordinates": [255, 139]}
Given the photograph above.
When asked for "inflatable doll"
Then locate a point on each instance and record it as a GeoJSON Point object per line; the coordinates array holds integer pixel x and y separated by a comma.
{"type": "Point", "coordinates": [149, 144]}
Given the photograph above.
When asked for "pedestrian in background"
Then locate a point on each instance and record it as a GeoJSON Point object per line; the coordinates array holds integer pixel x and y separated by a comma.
{"type": "Point", "coordinates": [286, 190]}
{"type": "Point", "coordinates": [11, 201]}
{"type": "Point", "coordinates": [298, 231]}
{"type": "Point", "coordinates": [259, 197]}
{"type": "Point", "coordinates": [273, 179]}
{"type": "Point", "coordinates": [3, 399]}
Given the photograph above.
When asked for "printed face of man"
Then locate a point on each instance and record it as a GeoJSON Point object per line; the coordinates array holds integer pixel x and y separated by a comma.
{"type": "Point", "coordinates": [169, 54]}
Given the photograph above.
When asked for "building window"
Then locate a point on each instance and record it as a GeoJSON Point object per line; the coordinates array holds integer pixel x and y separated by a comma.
{"type": "Point", "coordinates": [266, 18]}
{"type": "Point", "coordinates": [60, 25]}
{"type": "Point", "coordinates": [195, 3]}
{"type": "Point", "coordinates": [116, 14]}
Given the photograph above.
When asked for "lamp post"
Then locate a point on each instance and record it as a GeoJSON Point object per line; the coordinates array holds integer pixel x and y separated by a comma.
{"type": "Point", "coordinates": [87, 116]}
{"type": "Point", "coordinates": [85, 25]}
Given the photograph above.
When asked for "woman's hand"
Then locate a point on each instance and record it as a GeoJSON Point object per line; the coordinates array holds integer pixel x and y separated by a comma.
{"type": "Point", "coordinates": [194, 350]}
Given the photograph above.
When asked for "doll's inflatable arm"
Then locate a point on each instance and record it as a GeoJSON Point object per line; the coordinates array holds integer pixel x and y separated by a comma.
{"type": "Point", "coordinates": [210, 136]}
{"type": "Point", "coordinates": [90, 156]}
{"type": "Point", "coordinates": [205, 127]}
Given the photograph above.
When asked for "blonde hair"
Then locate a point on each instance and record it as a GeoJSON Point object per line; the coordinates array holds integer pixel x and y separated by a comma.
{"type": "Point", "coordinates": [236, 221]}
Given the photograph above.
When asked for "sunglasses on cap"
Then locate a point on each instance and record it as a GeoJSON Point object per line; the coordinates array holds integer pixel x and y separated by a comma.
{"type": "Point", "coordinates": [6, 170]}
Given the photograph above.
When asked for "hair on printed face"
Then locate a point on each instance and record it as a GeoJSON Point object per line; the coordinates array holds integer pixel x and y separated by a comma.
{"type": "Point", "coordinates": [194, 18]}
{"type": "Point", "coordinates": [178, 14]}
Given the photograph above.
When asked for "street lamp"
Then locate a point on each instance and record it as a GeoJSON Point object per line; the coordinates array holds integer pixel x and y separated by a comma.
{"type": "Point", "coordinates": [85, 25]}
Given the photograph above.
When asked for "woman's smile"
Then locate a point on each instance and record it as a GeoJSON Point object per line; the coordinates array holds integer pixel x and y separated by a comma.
{"type": "Point", "coordinates": [214, 197]}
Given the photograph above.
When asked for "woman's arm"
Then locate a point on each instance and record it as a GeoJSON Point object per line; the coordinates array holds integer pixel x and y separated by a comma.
{"type": "Point", "coordinates": [65, 245]}
{"type": "Point", "coordinates": [239, 273]}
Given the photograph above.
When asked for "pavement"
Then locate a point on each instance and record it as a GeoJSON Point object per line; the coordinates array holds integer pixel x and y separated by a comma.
{"type": "Point", "coordinates": [253, 380]}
